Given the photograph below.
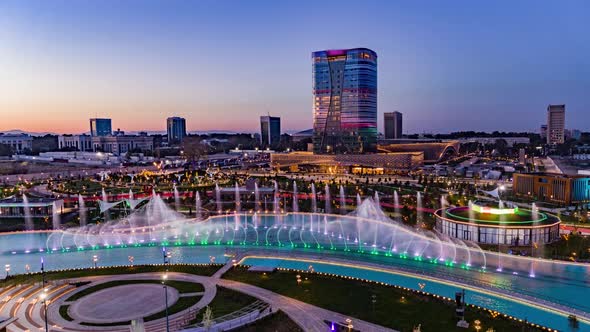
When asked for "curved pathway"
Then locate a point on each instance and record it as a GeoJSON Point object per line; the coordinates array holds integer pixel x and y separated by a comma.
{"type": "Point", "coordinates": [23, 302]}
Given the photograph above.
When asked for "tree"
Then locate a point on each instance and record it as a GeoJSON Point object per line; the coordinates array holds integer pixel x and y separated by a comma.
{"type": "Point", "coordinates": [193, 149]}
{"type": "Point", "coordinates": [208, 318]}
{"type": "Point", "coordinates": [5, 150]}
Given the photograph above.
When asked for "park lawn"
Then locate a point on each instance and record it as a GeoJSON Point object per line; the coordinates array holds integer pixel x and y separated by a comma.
{"type": "Point", "coordinates": [203, 270]}
{"type": "Point", "coordinates": [394, 308]}
{"type": "Point", "coordinates": [278, 321]}
{"type": "Point", "coordinates": [225, 302]}
{"type": "Point", "coordinates": [63, 312]}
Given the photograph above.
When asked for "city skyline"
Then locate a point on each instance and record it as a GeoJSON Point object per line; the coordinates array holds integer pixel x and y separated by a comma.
{"type": "Point", "coordinates": [447, 69]}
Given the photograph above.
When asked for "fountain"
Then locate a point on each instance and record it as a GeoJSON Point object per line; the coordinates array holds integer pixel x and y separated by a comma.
{"type": "Point", "coordinates": [82, 210]}
{"type": "Point", "coordinates": [376, 199]}
{"type": "Point", "coordinates": [276, 208]}
{"type": "Point", "coordinates": [295, 198]}
{"type": "Point", "coordinates": [218, 198]}
{"type": "Point", "coordinates": [238, 199]}
{"type": "Point", "coordinates": [396, 206]}
{"type": "Point", "coordinates": [198, 205]}
{"type": "Point", "coordinates": [359, 200]}
{"type": "Point", "coordinates": [29, 225]}
{"type": "Point", "coordinates": [419, 213]}
{"type": "Point", "coordinates": [342, 200]}
{"type": "Point", "coordinates": [55, 217]}
{"type": "Point", "coordinates": [256, 197]}
{"type": "Point", "coordinates": [176, 198]}
{"type": "Point", "coordinates": [105, 197]}
{"type": "Point", "coordinates": [130, 194]}
{"type": "Point", "coordinates": [328, 200]}
{"type": "Point", "coordinates": [314, 202]}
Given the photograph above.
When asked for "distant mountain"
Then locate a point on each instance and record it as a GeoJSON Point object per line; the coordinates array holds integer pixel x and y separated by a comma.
{"type": "Point", "coordinates": [32, 133]}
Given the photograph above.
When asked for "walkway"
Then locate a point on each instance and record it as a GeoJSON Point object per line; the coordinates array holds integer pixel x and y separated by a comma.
{"type": "Point", "coordinates": [23, 302]}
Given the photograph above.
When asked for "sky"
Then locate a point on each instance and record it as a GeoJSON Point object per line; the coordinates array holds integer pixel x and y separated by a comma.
{"type": "Point", "coordinates": [446, 65]}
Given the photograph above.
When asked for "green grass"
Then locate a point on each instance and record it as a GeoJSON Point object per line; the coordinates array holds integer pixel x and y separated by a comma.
{"type": "Point", "coordinates": [183, 303]}
{"type": "Point", "coordinates": [63, 312]}
{"type": "Point", "coordinates": [225, 302]}
{"type": "Point", "coordinates": [181, 287]}
{"type": "Point", "coordinates": [204, 270]}
{"type": "Point", "coordinates": [394, 308]}
{"type": "Point", "coordinates": [278, 321]}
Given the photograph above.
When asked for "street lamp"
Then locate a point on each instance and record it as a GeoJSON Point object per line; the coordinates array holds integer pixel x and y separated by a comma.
{"type": "Point", "coordinates": [44, 294]}
{"type": "Point", "coordinates": [164, 278]}
{"type": "Point", "coordinates": [95, 260]}
{"type": "Point", "coordinates": [7, 269]}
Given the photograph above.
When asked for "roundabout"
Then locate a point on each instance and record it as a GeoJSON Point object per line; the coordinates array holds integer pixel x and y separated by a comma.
{"type": "Point", "coordinates": [121, 303]}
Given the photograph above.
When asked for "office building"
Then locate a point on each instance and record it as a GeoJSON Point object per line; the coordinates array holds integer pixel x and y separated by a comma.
{"type": "Point", "coordinates": [75, 142]}
{"type": "Point", "coordinates": [176, 128]}
{"type": "Point", "coordinates": [270, 131]}
{"type": "Point", "coordinates": [100, 127]}
{"type": "Point", "coordinates": [119, 145]}
{"type": "Point", "coordinates": [554, 188]}
{"type": "Point", "coordinates": [543, 131]}
{"type": "Point", "coordinates": [392, 123]}
{"type": "Point", "coordinates": [18, 143]}
{"type": "Point", "coordinates": [555, 124]}
{"type": "Point", "coordinates": [344, 101]}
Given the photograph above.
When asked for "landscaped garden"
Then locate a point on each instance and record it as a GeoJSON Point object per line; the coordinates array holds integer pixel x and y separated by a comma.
{"type": "Point", "coordinates": [381, 304]}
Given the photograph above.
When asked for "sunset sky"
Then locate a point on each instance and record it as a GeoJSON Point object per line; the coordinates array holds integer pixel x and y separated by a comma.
{"type": "Point", "coordinates": [447, 65]}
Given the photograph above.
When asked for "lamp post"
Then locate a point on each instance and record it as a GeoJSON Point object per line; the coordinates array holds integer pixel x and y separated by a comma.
{"type": "Point", "coordinates": [95, 260]}
{"type": "Point", "coordinates": [44, 294]}
{"type": "Point", "coordinates": [7, 269]}
{"type": "Point", "coordinates": [164, 278]}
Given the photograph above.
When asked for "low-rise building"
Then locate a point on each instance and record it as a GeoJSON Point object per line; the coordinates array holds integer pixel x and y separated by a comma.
{"type": "Point", "coordinates": [18, 142]}
{"type": "Point", "coordinates": [554, 188]}
{"type": "Point", "coordinates": [370, 163]}
{"type": "Point", "coordinates": [119, 145]}
{"type": "Point", "coordinates": [75, 142]}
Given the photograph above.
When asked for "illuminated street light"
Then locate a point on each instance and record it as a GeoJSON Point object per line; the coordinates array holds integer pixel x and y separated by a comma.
{"type": "Point", "coordinates": [95, 261]}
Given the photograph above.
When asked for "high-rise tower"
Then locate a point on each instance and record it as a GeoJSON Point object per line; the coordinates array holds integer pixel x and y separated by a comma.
{"type": "Point", "coordinates": [345, 101]}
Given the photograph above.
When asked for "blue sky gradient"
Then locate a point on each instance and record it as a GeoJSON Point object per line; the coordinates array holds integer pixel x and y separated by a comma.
{"type": "Point", "coordinates": [447, 65]}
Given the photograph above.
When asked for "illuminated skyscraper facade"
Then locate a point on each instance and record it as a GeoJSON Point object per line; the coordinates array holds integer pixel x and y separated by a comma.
{"type": "Point", "coordinates": [345, 101]}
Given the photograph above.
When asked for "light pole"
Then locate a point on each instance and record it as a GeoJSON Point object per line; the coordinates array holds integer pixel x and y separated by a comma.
{"type": "Point", "coordinates": [7, 269]}
{"type": "Point", "coordinates": [164, 278]}
{"type": "Point", "coordinates": [44, 294]}
{"type": "Point", "coordinates": [95, 260]}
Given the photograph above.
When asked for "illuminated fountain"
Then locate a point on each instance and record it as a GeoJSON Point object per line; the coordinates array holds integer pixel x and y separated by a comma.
{"type": "Point", "coordinates": [218, 198]}
{"type": "Point", "coordinates": [276, 208]}
{"type": "Point", "coordinates": [29, 225]}
{"type": "Point", "coordinates": [55, 217]}
{"type": "Point", "coordinates": [198, 204]}
{"type": "Point", "coordinates": [82, 210]}
{"type": "Point", "coordinates": [295, 199]}
{"type": "Point", "coordinates": [342, 201]}
{"type": "Point", "coordinates": [314, 202]}
{"type": "Point", "coordinates": [176, 198]}
{"type": "Point", "coordinates": [256, 197]}
{"type": "Point", "coordinates": [396, 208]}
{"type": "Point", "coordinates": [328, 200]}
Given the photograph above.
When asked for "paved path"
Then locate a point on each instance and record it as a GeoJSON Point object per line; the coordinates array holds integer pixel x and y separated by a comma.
{"type": "Point", "coordinates": [309, 317]}
{"type": "Point", "coordinates": [122, 303]}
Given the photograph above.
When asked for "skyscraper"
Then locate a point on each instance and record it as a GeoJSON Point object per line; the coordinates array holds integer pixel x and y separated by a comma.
{"type": "Point", "coordinates": [270, 131]}
{"type": "Point", "coordinates": [555, 124]}
{"type": "Point", "coordinates": [100, 127]}
{"type": "Point", "coordinates": [392, 123]}
{"type": "Point", "coordinates": [176, 129]}
{"type": "Point", "coordinates": [345, 101]}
